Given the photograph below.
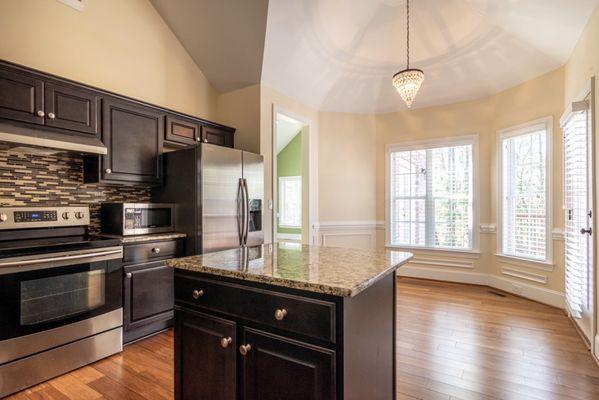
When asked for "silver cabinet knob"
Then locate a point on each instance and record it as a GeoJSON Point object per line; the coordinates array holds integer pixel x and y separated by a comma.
{"type": "Point", "coordinates": [108, 170]}
{"type": "Point", "coordinates": [226, 341]}
{"type": "Point", "coordinates": [51, 115]}
{"type": "Point", "coordinates": [198, 139]}
{"type": "Point", "coordinates": [129, 275]}
{"type": "Point", "coordinates": [280, 314]}
{"type": "Point", "coordinates": [3, 217]}
{"type": "Point", "coordinates": [205, 140]}
{"type": "Point", "coordinates": [40, 113]}
{"type": "Point", "coordinates": [197, 294]}
{"type": "Point", "coordinates": [244, 349]}
{"type": "Point", "coordinates": [156, 250]}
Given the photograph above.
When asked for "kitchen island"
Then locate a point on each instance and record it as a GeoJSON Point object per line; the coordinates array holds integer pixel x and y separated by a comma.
{"type": "Point", "coordinates": [285, 322]}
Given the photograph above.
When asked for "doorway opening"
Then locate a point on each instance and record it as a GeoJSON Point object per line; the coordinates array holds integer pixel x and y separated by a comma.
{"type": "Point", "coordinates": [290, 183]}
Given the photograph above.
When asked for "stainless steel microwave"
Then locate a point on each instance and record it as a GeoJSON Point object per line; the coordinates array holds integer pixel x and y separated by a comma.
{"type": "Point", "coordinates": [137, 218]}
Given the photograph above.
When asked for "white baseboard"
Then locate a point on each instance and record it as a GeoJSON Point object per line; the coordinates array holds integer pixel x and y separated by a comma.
{"type": "Point", "coordinates": [289, 236]}
{"type": "Point", "coordinates": [542, 295]}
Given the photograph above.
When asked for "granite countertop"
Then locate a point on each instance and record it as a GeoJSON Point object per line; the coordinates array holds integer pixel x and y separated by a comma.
{"type": "Point", "coordinates": [330, 270]}
{"type": "Point", "coordinates": [152, 237]}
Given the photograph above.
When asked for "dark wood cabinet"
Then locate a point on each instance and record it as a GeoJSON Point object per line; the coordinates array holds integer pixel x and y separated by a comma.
{"type": "Point", "coordinates": [148, 299]}
{"type": "Point", "coordinates": [206, 349]}
{"type": "Point", "coordinates": [148, 287]}
{"type": "Point", "coordinates": [218, 136]}
{"type": "Point", "coordinates": [182, 131]}
{"type": "Point", "coordinates": [133, 135]}
{"type": "Point", "coordinates": [296, 370]}
{"type": "Point", "coordinates": [72, 108]}
{"type": "Point", "coordinates": [21, 97]}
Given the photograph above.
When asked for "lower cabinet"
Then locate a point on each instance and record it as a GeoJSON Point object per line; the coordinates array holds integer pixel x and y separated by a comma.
{"type": "Point", "coordinates": [205, 357]}
{"type": "Point", "coordinates": [210, 350]}
{"type": "Point", "coordinates": [296, 370]}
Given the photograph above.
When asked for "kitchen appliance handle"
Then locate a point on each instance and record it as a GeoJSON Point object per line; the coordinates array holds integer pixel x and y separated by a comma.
{"type": "Point", "coordinates": [240, 210]}
{"type": "Point", "coordinates": [64, 259]}
{"type": "Point", "coordinates": [247, 212]}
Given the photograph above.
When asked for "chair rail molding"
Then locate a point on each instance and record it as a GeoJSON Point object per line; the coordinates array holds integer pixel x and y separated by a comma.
{"type": "Point", "coordinates": [360, 234]}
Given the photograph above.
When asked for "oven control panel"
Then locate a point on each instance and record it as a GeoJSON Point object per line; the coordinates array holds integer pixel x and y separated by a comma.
{"type": "Point", "coordinates": [46, 217]}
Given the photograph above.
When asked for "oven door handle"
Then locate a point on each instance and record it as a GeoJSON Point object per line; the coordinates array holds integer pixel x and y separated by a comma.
{"type": "Point", "coordinates": [62, 260]}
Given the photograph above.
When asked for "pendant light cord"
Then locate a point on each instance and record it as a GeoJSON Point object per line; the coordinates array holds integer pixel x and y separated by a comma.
{"type": "Point", "coordinates": [408, 30]}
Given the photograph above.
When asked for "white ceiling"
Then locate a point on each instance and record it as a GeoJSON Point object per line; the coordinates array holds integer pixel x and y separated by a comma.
{"type": "Point", "coordinates": [287, 129]}
{"type": "Point", "coordinates": [340, 55]}
{"type": "Point", "coordinates": [225, 38]}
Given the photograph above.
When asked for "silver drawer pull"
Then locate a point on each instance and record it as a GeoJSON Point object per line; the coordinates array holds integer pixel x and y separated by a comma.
{"type": "Point", "coordinates": [40, 113]}
{"type": "Point", "coordinates": [244, 349]}
{"type": "Point", "coordinates": [51, 115]}
{"type": "Point", "coordinates": [129, 275]}
{"type": "Point", "coordinates": [280, 314]}
{"type": "Point", "coordinates": [226, 341]}
{"type": "Point", "coordinates": [156, 250]}
{"type": "Point", "coordinates": [108, 171]}
{"type": "Point", "coordinates": [197, 294]}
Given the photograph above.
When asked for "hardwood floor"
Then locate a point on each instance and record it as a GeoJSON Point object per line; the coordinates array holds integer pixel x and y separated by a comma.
{"type": "Point", "coordinates": [454, 342]}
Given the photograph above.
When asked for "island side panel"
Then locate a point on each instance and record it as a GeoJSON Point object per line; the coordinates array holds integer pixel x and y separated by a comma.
{"type": "Point", "coordinates": [369, 342]}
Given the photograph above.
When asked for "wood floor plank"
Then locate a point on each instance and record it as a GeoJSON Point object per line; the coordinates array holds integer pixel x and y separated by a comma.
{"type": "Point", "coordinates": [454, 342]}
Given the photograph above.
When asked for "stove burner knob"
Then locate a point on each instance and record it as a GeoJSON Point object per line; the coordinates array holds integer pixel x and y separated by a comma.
{"type": "Point", "coordinates": [3, 217]}
{"type": "Point", "coordinates": [79, 215]}
{"type": "Point", "coordinates": [65, 215]}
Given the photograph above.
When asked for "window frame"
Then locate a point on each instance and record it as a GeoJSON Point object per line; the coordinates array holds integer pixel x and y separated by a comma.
{"type": "Point", "coordinates": [280, 194]}
{"type": "Point", "coordinates": [425, 144]}
{"type": "Point", "coordinates": [520, 130]}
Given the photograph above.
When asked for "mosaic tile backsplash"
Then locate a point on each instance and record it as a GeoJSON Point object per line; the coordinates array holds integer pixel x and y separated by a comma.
{"type": "Point", "coordinates": [57, 180]}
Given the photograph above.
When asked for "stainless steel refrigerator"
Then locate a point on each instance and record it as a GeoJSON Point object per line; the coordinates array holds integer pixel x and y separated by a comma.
{"type": "Point", "coordinates": [219, 196]}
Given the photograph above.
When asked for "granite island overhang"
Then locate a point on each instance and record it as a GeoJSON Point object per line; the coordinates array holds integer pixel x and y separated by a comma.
{"type": "Point", "coordinates": [319, 320]}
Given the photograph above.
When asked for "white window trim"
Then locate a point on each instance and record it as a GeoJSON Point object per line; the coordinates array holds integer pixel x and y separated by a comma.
{"type": "Point", "coordinates": [286, 178]}
{"type": "Point", "coordinates": [513, 131]}
{"type": "Point", "coordinates": [429, 144]}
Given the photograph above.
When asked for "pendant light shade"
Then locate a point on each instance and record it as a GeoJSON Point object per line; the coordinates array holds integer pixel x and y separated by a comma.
{"type": "Point", "coordinates": [408, 81]}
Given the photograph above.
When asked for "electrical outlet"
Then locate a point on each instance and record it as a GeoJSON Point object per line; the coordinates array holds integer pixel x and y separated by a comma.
{"type": "Point", "coordinates": [517, 289]}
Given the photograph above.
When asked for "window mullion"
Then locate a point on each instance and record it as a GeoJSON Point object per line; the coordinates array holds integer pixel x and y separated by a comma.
{"type": "Point", "coordinates": [429, 203]}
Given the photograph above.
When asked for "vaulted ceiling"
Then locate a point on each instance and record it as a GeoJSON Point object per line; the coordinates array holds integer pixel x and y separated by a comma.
{"type": "Point", "coordinates": [340, 55]}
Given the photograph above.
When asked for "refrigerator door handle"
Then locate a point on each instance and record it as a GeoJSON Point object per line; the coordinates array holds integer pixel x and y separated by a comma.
{"type": "Point", "coordinates": [240, 211]}
{"type": "Point", "coordinates": [246, 222]}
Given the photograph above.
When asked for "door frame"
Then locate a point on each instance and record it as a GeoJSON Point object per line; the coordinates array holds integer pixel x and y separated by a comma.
{"type": "Point", "coordinates": [311, 237]}
{"type": "Point", "coordinates": [589, 93]}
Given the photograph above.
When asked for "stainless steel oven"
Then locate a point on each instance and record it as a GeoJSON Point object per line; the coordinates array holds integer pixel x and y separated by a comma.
{"type": "Point", "coordinates": [125, 219]}
{"type": "Point", "coordinates": [60, 296]}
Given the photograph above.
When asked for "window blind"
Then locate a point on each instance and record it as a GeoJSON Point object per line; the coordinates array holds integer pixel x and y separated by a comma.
{"type": "Point", "coordinates": [524, 202]}
{"type": "Point", "coordinates": [576, 205]}
{"type": "Point", "coordinates": [290, 201]}
{"type": "Point", "coordinates": [431, 197]}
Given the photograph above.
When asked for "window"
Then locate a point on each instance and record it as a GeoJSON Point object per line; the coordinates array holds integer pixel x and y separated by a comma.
{"type": "Point", "coordinates": [290, 201]}
{"type": "Point", "coordinates": [431, 194]}
{"type": "Point", "coordinates": [524, 191]}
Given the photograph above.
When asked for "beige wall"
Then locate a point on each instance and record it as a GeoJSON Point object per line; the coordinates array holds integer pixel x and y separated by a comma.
{"type": "Point", "coordinates": [241, 109]}
{"type": "Point", "coordinates": [121, 46]}
{"type": "Point", "coordinates": [582, 65]}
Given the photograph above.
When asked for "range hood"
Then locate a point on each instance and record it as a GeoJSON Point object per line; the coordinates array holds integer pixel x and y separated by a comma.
{"type": "Point", "coordinates": [33, 140]}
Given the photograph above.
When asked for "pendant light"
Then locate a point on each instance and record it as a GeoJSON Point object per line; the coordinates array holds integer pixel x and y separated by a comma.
{"type": "Point", "coordinates": [408, 81]}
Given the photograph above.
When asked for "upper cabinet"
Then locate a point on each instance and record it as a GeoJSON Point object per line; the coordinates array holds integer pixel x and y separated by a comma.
{"type": "Point", "coordinates": [72, 108]}
{"type": "Point", "coordinates": [133, 135]}
{"type": "Point", "coordinates": [182, 131]}
{"type": "Point", "coordinates": [29, 99]}
{"type": "Point", "coordinates": [218, 136]}
{"type": "Point", "coordinates": [21, 97]}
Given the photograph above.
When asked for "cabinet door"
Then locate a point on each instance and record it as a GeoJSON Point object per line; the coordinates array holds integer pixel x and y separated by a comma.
{"type": "Point", "coordinates": [217, 136]}
{"type": "Point", "coordinates": [182, 131]}
{"type": "Point", "coordinates": [133, 135]}
{"type": "Point", "coordinates": [21, 97]}
{"type": "Point", "coordinates": [205, 357]}
{"type": "Point", "coordinates": [72, 108]}
{"type": "Point", "coordinates": [149, 292]}
{"type": "Point", "coordinates": [277, 368]}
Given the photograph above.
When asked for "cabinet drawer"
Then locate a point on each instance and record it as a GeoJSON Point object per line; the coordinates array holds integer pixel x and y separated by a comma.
{"type": "Point", "coordinates": [305, 316]}
{"type": "Point", "coordinates": [152, 251]}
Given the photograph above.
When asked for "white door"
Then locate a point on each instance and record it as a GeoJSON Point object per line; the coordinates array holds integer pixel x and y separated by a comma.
{"type": "Point", "coordinates": [576, 126]}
